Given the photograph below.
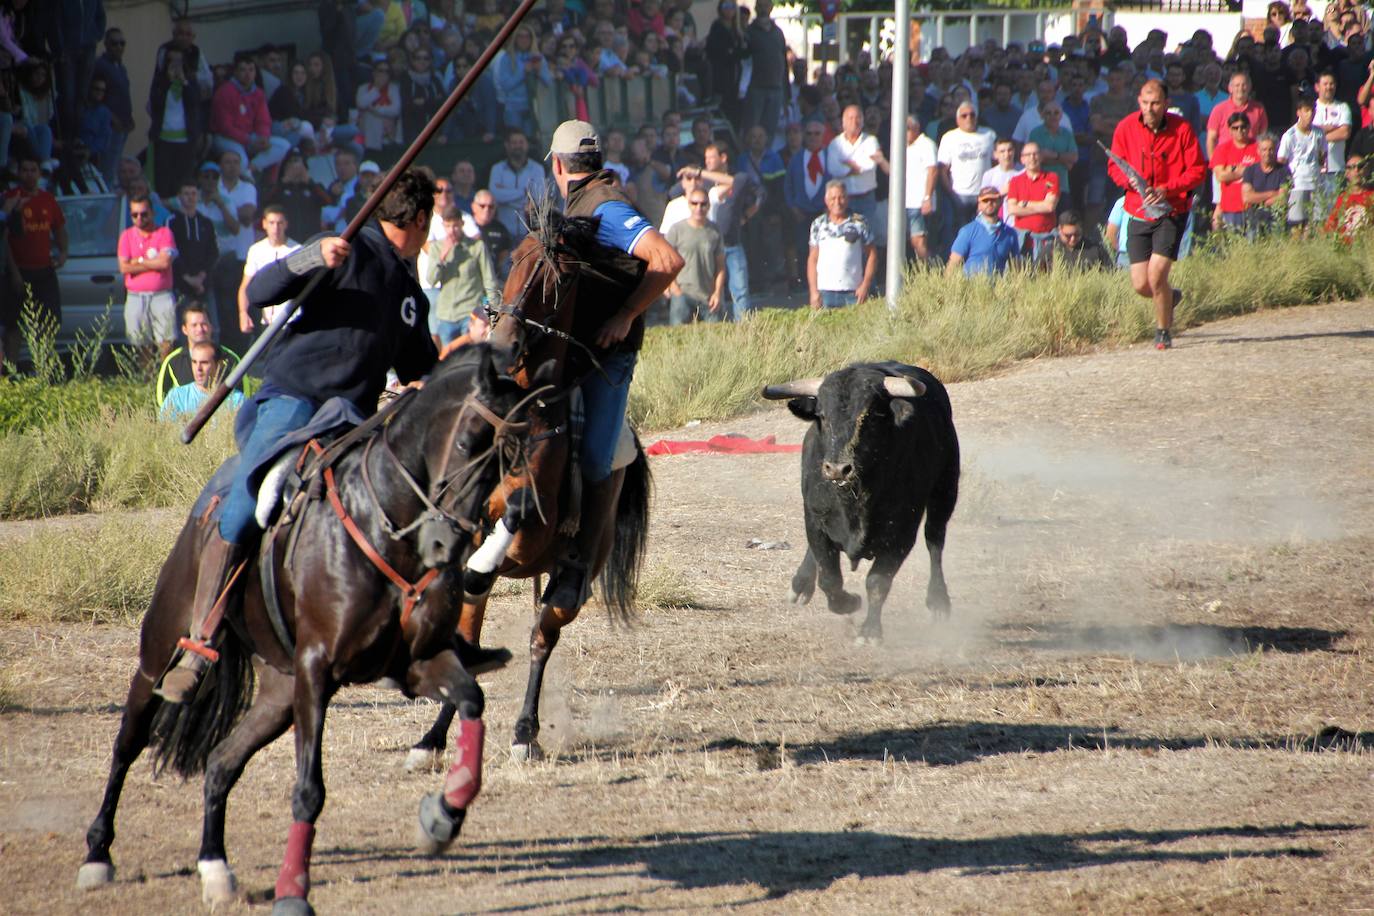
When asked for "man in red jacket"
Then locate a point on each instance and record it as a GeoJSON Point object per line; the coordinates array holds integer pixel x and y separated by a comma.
{"type": "Point", "coordinates": [1163, 149]}
{"type": "Point", "coordinates": [239, 120]}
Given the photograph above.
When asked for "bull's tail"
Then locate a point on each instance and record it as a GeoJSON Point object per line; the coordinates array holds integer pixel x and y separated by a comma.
{"type": "Point", "coordinates": [620, 578]}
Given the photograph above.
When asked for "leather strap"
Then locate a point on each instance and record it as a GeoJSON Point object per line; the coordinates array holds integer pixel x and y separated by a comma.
{"type": "Point", "coordinates": [410, 591]}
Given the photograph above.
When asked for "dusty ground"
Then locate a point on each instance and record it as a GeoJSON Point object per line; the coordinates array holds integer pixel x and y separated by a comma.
{"type": "Point", "coordinates": [1154, 694]}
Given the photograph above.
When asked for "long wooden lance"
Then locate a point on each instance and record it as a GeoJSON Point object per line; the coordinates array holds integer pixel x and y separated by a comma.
{"type": "Point", "coordinates": [270, 333]}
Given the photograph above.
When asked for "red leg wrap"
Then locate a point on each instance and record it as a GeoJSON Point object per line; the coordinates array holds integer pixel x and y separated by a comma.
{"type": "Point", "coordinates": [294, 878]}
{"type": "Point", "coordinates": [464, 779]}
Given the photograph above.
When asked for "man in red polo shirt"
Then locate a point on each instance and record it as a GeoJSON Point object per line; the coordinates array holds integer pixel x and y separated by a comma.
{"type": "Point", "coordinates": [39, 226]}
{"type": "Point", "coordinates": [1032, 196]}
{"type": "Point", "coordinates": [1163, 150]}
{"type": "Point", "coordinates": [1239, 100]}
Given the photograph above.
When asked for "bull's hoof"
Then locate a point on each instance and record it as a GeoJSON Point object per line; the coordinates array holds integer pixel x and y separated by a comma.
{"type": "Point", "coordinates": [217, 882]}
{"type": "Point", "coordinates": [844, 603]}
{"type": "Point", "coordinates": [94, 874]}
{"type": "Point", "coordinates": [801, 599]}
{"type": "Point", "coordinates": [424, 760]}
{"type": "Point", "coordinates": [938, 607]}
{"type": "Point", "coordinates": [292, 906]}
{"type": "Point", "coordinates": [863, 640]}
{"type": "Point", "coordinates": [526, 752]}
{"type": "Point", "coordinates": [438, 825]}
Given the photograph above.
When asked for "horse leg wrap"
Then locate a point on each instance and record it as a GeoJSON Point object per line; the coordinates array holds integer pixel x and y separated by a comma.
{"type": "Point", "coordinates": [294, 878]}
{"type": "Point", "coordinates": [464, 779]}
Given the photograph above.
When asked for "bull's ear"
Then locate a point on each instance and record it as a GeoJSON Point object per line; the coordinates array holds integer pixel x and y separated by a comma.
{"type": "Point", "coordinates": [803, 408]}
{"type": "Point", "coordinates": [902, 411]}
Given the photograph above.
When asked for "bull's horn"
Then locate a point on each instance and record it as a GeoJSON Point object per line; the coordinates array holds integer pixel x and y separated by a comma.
{"type": "Point", "coordinates": [903, 387]}
{"type": "Point", "coordinates": [798, 388]}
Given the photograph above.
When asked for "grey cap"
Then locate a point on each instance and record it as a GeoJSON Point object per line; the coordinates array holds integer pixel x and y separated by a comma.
{"type": "Point", "coordinates": [574, 137]}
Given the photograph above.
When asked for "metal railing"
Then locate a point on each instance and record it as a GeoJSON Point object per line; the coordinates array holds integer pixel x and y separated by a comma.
{"type": "Point", "coordinates": [613, 102]}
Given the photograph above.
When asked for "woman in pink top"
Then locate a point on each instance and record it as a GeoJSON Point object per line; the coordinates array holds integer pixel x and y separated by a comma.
{"type": "Point", "coordinates": [146, 252]}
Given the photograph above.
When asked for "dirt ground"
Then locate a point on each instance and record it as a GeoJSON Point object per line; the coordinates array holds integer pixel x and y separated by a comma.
{"type": "Point", "coordinates": [1154, 694]}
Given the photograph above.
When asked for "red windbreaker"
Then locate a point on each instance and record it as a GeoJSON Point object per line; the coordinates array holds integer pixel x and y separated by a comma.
{"type": "Point", "coordinates": [1169, 159]}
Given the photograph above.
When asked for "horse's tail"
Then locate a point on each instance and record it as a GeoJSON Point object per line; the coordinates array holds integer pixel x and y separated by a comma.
{"type": "Point", "coordinates": [620, 578]}
{"type": "Point", "coordinates": [184, 734]}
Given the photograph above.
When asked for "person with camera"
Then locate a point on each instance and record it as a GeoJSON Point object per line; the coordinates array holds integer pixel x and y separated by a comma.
{"type": "Point", "coordinates": [843, 257]}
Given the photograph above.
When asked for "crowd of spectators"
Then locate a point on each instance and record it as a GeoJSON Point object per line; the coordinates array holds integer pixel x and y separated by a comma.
{"type": "Point", "coordinates": [247, 157]}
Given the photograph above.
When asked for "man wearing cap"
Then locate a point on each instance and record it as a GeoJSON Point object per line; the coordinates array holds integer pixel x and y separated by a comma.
{"type": "Point", "coordinates": [1163, 150]}
{"type": "Point", "coordinates": [986, 245]}
{"type": "Point", "coordinates": [368, 315]}
{"type": "Point", "coordinates": [610, 320]}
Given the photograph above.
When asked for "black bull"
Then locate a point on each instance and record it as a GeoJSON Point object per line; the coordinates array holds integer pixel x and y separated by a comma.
{"type": "Point", "coordinates": [880, 452]}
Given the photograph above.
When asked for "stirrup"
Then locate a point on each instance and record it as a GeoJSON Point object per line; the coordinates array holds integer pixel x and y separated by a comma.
{"type": "Point", "coordinates": [179, 682]}
{"type": "Point", "coordinates": [570, 587]}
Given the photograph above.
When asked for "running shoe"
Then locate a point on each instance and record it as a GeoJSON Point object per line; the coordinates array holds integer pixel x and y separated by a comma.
{"type": "Point", "coordinates": [1159, 338]}
{"type": "Point", "coordinates": [1166, 341]}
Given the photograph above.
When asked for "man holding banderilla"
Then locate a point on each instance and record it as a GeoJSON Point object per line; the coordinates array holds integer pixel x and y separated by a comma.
{"type": "Point", "coordinates": [591, 190]}
{"type": "Point", "coordinates": [367, 316]}
{"type": "Point", "coordinates": [1163, 150]}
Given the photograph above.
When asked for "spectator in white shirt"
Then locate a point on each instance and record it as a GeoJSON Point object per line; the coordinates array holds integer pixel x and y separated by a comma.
{"type": "Point", "coordinates": [922, 171]}
{"type": "Point", "coordinates": [1004, 166]}
{"type": "Point", "coordinates": [513, 180]}
{"type": "Point", "coordinates": [964, 154]}
{"type": "Point", "coordinates": [1333, 119]}
{"type": "Point", "coordinates": [274, 246]}
{"type": "Point", "coordinates": [855, 157]}
{"type": "Point", "coordinates": [1303, 149]}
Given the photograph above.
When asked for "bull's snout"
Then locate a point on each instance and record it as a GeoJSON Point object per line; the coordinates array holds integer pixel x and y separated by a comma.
{"type": "Point", "coordinates": [836, 471]}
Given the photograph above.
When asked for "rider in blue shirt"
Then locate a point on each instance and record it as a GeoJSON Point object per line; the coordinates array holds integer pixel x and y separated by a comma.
{"type": "Point", "coordinates": [591, 190]}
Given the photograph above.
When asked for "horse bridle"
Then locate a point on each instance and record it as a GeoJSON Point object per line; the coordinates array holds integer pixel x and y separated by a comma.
{"type": "Point", "coordinates": [507, 447]}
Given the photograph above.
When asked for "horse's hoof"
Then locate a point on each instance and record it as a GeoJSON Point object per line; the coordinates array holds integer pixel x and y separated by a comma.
{"type": "Point", "coordinates": [94, 874]}
{"type": "Point", "coordinates": [217, 882]}
{"type": "Point", "coordinates": [424, 760]}
{"type": "Point", "coordinates": [292, 906]}
{"type": "Point", "coordinates": [526, 753]}
{"type": "Point", "coordinates": [438, 825]}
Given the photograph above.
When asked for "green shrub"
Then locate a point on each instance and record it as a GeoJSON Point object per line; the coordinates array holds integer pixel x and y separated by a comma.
{"type": "Point", "coordinates": [32, 403]}
{"type": "Point", "coordinates": [962, 328]}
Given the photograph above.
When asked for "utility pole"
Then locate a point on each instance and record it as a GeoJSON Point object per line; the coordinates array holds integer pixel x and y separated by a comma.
{"type": "Point", "coordinates": [896, 185]}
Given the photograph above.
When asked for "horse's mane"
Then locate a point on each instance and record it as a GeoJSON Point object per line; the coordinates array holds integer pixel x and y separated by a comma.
{"type": "Point", "coordinates": [558, 233]}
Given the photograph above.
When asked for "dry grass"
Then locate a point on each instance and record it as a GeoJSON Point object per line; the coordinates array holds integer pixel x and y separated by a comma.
{"type": "Point", "coordinates": [116, 461]}
{"type": "Point", "coordinates": [102, 572]}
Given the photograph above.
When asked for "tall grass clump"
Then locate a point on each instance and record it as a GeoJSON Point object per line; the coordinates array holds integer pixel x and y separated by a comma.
{"type": "Point", "coordinates": [116, 460]}
{"type": "Point", "coordinates": [962, 328]}
{"type": "Point", "coordinates": [75, 573]}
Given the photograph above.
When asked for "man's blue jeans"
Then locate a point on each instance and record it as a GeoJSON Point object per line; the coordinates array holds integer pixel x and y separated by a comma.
{"type": "Point", "coordinates": [737, 277]}
{"type": "Point", "coordinates": [837, 298]}
{"type": "Point", "coordinates": [260, 426]}
{"type": "Point", "coordinates": [604, 406]}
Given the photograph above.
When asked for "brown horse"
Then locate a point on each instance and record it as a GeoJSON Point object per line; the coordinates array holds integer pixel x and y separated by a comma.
{"type": "Point", "coordinates": [557, 265]}
{"type": "Point", "coordinates": [360, 600]}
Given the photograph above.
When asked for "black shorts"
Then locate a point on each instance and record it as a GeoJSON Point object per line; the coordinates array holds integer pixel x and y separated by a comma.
{"type": "Point", "coordinates": [1161, 236]}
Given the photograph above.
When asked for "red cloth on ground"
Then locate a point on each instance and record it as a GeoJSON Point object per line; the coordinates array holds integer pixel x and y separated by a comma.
{"type": "Point", "coordinates": [739, 445]}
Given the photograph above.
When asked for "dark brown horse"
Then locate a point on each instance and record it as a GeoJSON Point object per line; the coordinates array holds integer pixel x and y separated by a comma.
{"type": "Point", "coordinates": [346, 618]}
{"type": "Point", "coordinates": [555, 266]}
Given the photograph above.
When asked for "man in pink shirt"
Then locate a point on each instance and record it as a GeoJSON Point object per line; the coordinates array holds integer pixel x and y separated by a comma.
{"type": "Point", "coordinates": [146, 252]}
{"type": "Point", "coordinates": [239, 120]}
{"type": "Point", "coordinates": [1239, 100]}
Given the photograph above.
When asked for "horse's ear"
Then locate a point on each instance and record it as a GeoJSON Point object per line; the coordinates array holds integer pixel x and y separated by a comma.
{"type": "Point", "coordinates": [546, 374]}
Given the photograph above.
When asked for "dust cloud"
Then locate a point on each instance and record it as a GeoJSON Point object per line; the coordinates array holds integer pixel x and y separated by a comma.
{"type": "Point", "coordinates": [1066, 546]}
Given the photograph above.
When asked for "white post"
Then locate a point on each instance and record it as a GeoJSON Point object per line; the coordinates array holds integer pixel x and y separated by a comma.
{"type": "Point", "coordinates": [940, 30]}
{"type": "Point", "coordinates": [896, 184]}
{"type": "Point", "coordinates": [873, 40]}
{"type": "Point", "coordinates": [1006, 29]}
{"type": "Point", "coordinates": [972, 29]}
{"type": "Point", "coordinates": [841, 38]}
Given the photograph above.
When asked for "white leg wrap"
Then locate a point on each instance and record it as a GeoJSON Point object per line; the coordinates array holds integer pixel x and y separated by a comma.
{"type": "Point", "coordinates": [217, 882]}
{"type": "Point", "coordinates": [493, 549]}
{"type": "Point", "coordinates": [93, 875]}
